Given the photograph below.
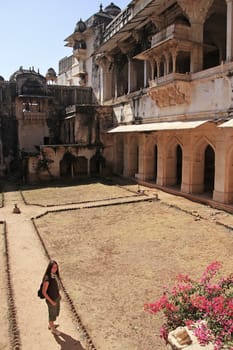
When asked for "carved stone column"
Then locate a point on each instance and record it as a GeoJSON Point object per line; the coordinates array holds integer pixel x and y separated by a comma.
{"type": "Point", "coordinates": [152, 65]}
{"type": "Point", "coordinates": [196, 11]}
{"type": "Point", "coordinates": [166, 68]}
{"type": "Point", "coordinates": [106, 77]}
{"type": "Point", "coordinates": [174, 54]}
{"type": "Point", "coordinates": [145, 74]}
{"type": "Point", "coordinates": [126, 48]}
{"type": "Point", "coordinates": [229, 55]}
{"type": "Point", "coordinates": [158, 61]}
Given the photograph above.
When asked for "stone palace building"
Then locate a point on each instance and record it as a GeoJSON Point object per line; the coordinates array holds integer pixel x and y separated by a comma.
{"type": "Point", "coordinates": [147, 92]}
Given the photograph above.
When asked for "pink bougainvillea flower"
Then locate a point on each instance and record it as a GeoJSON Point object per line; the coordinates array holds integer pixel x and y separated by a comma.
{"type": "Point", "coordinates": [204, 307]}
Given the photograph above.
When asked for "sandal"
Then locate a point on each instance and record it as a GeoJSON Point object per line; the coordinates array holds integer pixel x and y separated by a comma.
{"type": "Point", "coordinates": [56, 325]}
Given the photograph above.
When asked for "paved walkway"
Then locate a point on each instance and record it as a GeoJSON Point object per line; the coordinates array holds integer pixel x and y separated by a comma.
{"type": "Point", "coordinates": [28, 263]}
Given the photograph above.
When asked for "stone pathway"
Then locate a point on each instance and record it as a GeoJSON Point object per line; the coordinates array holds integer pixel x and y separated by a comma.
{"type": "Point", "coordinates": [28, 262]}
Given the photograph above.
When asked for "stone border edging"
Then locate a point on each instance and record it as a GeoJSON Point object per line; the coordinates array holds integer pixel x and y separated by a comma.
{"type": "Point", "coordinates": [198, 216]}
{"type": "Point", "coordinates": [89, 342]}
{"type": "Point", "coordinates": [13, 323]}
{"type": "Point", "coordinates": [73, 203]}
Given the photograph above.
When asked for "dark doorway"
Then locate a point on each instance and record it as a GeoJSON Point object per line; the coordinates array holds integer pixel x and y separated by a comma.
{"type": "Point", "coordinates": [67, 165]}
{"type": "Point", "coordinates": [80, 166]}
{"type": "Point", "coordinates": [178, 165]}
{"type": "Point", "coordinates": [155, 162]}
{"type": "Point", "coordinates": [209, 169]}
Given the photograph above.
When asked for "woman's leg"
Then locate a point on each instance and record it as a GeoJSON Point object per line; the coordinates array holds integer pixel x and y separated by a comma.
{"type": "Point", "coordinates": [53, 313]}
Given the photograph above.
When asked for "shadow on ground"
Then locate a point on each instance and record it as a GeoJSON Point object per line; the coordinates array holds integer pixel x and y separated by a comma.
{"type": "Point", "coordinates": [67, 342]}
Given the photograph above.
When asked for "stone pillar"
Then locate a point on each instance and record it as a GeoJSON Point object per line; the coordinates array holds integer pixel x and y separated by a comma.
{"type": "Point", "coordinates": [152, 64]}
{"type": "Point", "coordinates": [145, 82]}
{"type": "Point", "coordinates": [130, 156]}
{"type": "Point", "coordinates": [101, 85]}
{"type": "Point", "coordinates": [158, 68]}
{"type": "Point", "coordinates": [197, 50]}
{"type": "Point", "coordinates": [126, 170]}
{"type": "Point", "coordinates": [196, 11]}
{"type": "Point", "coordinates": [106, 77]}
{"type": "Point", "coordinates": [229, 43]}
{"type": "Point", "coordinates": [132, 75]}
{"type": "Point", "coordinates": [129, 74]}
{"type": "Point", "coordinates": [161, 166]}
{"type": "Point", "coordinates": [221, 193]}
{"type": "Point", "coordinates": [142, 153]}
{"type": "Point", "coordinates": [174, 54]}
{"type": "Point", "coordinates": [186, 169]}
{"type": "Point", "coordinates": [146, 158]}
{"type": "Point", "coordinates": [166, 68]}
{"type": "Point", "coordinates": [115, 81]}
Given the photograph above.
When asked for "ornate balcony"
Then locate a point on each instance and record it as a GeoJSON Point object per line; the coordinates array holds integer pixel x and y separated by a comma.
{"type": "Point", "coordinates": [119, 22]}
{"type": "Point", "coordinates": [170, 90]}
{"type": "Point", "coordinates": [174, 31]}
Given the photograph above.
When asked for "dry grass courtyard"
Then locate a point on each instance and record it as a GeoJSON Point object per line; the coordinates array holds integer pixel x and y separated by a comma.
{"type": "Point", "coordinates": [115, 258]}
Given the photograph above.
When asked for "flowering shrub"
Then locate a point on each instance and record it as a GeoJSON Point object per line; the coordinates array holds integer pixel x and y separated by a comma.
{"type": "Point", "coordinates": [190, 302]}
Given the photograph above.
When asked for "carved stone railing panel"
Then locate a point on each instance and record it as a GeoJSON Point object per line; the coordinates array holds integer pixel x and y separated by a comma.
{"type": "Point", "coordinates": [174, 31]}
{"type": "Point", "coordinates": [120, 21]}
{"type": "Point", "coordinates": [174, 93]}
{"type": "Point", "coordinates": [169, 78]}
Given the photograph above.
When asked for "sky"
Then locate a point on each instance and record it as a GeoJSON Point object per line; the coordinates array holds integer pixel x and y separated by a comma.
{"type": "Point", "coordinates": [32, 33]}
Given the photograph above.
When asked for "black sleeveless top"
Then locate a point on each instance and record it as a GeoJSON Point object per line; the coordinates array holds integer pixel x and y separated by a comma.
{"type": "Point", "coordinates": [53, 289]}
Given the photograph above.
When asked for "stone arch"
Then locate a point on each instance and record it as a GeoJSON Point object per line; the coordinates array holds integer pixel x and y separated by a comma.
{"type": "Point", "coordinates": [97, 163]}
{"type": "Point", "coordinates": [201, 162]}
{"type": "Point", "coordinates": [67, 165]}
{"type": "Point", "coordinates": [174, 163]}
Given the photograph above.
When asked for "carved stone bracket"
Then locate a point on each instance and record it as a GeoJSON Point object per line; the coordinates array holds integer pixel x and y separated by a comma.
{"type": "Point", "coordinates": [196, 10]}
{"type": "Point", "coordinates": [172, 94]}
{"type": "Point", "coordinates": [126, 47]}
{"type": "Point", "coordinates": [157, 20]}
{"type": "Point", "coordinates": [105, 61]}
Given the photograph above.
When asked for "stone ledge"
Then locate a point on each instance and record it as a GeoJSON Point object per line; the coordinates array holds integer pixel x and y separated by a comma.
{"type": "Point", "coordinates": [183, 338]}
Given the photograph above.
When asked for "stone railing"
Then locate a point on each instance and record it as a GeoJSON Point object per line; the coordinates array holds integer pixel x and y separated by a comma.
{"type": "Point", "coordinates": [165, 79]}
{"type": "Point", "coordinates": [120, 21]}
{"type": "Point", "coordinates": [174, 31]}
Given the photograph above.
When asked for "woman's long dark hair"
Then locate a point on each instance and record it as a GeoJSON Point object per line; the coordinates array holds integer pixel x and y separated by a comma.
{"type": "Point", "coordinates": [49, 268]}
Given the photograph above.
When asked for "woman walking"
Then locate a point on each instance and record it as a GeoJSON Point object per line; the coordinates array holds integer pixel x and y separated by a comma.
{"type": "Point", "coordinates": [50, 290]}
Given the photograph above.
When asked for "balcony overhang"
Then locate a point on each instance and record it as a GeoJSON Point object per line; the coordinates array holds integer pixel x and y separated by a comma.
{"type": "Point", "coordinates": [132, 18]}
{"type": "Point", "coordinates": [162, 126]}
{"type": "Point", "coordinates": [168, 44]}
